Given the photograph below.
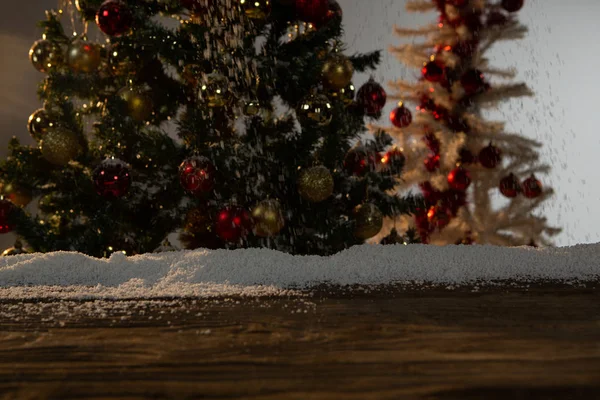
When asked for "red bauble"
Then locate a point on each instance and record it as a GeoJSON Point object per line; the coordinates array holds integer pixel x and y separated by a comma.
{"type": "Point", "coordinates": [394, 161]}
{"type": "Point", "coordinates": [314, 11]}
{"type": "Point", "coordinates": [510, 186]}
{"type": "Point", "coordinates": [233, 223]}
{"type": "Point", "coordinates": [490, 156]}
{"type": "Point", "coordinates": [112, 178]}
{"type": "Point", "coordinates": [432, 162]}
{"type": "Point", "coordinates": [459, 179]}
{"type": "Point", "coordinates": [532, 187]}
{"type": "Point", "coordinates": [433, 71]}
{"type": "Point", "coordinates": [371, 97]}
{"type": "Point", "coordinates": [439, 216]}
{"type": "Point", "coordinates": [6, 207]}
{"type": "Point", "coordinates": [512, 5]}
{"type": "Point", "coordinates": [472, 82]}
{"type": "Point", "coordinates": [496, 18]}
{"type": "Point", "coordinates": [197, 175]}
{"type": "Point", "coordinates": [359, 161]}
{"type": "Point", "coordinates": [114, 18]}
{"type": "Point", "coordinates": [401, 116]}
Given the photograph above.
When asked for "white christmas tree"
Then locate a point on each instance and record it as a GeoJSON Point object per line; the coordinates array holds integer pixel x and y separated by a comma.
{"type": "Point", "coordinates": [480, 182]}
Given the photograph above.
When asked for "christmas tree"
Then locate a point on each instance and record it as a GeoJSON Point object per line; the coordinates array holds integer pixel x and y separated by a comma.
{"type": "Point", "coordinates": [480, 182]}
{"type": "Point", "coordinates": [265, 149]}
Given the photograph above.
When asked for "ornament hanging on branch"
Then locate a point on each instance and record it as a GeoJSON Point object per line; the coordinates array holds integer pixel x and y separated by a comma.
{"type": "Point", "coordinates": [258, 10]}
{"type": "Point", "coordinates": [114, 18]}
{"type": "Point", "coordinates": [46, 56]}
{"type": "Point", "coordinates": [439, 216]}
{"type": "Point", "coordinates": [371, 98]}
{"type": "Point", "coordinates": [83, 56]}
{"type": "Point", "coordinates": [38, 124]}
{"type": "Point", "coordinates": [459, 179]}
{"type": "Point", "coordinates": [317, 109]}
{"type": "Point", "coordinates": [512, 5]}
{"type": "Point", "coordinates": [315, 184]}
{"type": "Point", "coordinates": [401, 116]}
{"type": "Point", "coordinates": [510, 186]}
{"type": "Point", "coordinates": [139, 103]}
{"type": "Point", "coordinates": [233, 224]}
{"type": "Point", "coordinates": [267, 218]}
{"type": "Point", "coordinates": [337, 72]}
{"type": "Point", "coordinates": [434, 71]}
{"type": "Point", "coordinates": [368, 221]}
{"type": "Point", "coordinates": [532, 187]}
{"type": "Point", "coordinates": [60, 146]}
{"type": "Point", "coordinates": [112, 178]}
{"type": "Point", "coordinates": [345, 95]}
{"type": "Point", "coordinates": [197, 175]}
{"type": "Point", "coordinates": [359, 161]}
{"type": "Point", "coordinates": [18, 195]}
{"type": "Point", "coordinates": [432, 162]}
{"type": "Point", "coordinates": [490, 156]}
{"type": "Point", "coordinates": [6, 208]}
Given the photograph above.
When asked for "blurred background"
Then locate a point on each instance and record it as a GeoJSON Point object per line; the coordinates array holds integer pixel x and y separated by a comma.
{"type": "Point", "coordinates": [558, 60]}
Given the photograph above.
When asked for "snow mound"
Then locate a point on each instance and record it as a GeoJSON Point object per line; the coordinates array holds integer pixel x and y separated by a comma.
{"type": "Point", "coordinates": [261, 272]}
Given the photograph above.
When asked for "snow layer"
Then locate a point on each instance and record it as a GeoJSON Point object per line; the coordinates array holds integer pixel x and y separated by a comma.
{"type": "Point", "coordinates": [261, 272]}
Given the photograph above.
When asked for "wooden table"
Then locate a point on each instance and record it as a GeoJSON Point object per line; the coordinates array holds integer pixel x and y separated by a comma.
{"type": "Point", "coordinates": [393, 343]}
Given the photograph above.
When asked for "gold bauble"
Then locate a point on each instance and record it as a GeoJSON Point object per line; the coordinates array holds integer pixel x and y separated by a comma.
{"type": "Point", "coordinates": [256, 9]}
{"type": "Point", "coordinates": [317, 109]}
{"type": "Point", "coordinates": [215, 91]}
{"type": "Point", "coordinates": [368, 221]}
{"type": "Point", "coordinates": [345, 95]}
{"type": "Point", "coordinates": [45, 55]}
{"type": "Point", "coordinates": [60, 146]}
{"type": "Point", "coordinates": [84, 56]}
{"type": "Point", "coordinates": [15, 250]}
{"type": "Point", "coordinates": [337, 72]}
{"type": "Point", "coordinates": [252, 108]}
{"type": "Point", "coordinates": [315, 184]}
{"type": "Point", "coordinates": [139, 103]}
{"type": "Point", "coordinates": [17, 195]}
{"type": "Point", "coordinates": [267, 218]}
{"type": "Point", "coordinates": [39, 123]}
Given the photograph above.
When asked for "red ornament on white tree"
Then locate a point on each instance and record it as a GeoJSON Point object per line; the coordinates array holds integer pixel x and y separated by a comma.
{"type": "Point", "coordinates": [510, 186]}
{"type": "Point", "coordinates": [532, 187]}
{"type": "Point", "coordinates": [490, 156]}
{"type": "Point", "coordinates": [401, 116]}
{"type": "Point", "coordinates": [459, 179]}
{"type": "Point", "coordinates": [434, 71]}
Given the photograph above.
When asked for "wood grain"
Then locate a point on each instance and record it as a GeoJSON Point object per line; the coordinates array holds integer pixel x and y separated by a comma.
{"type": "Point", "coordinates": [543, 343]}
